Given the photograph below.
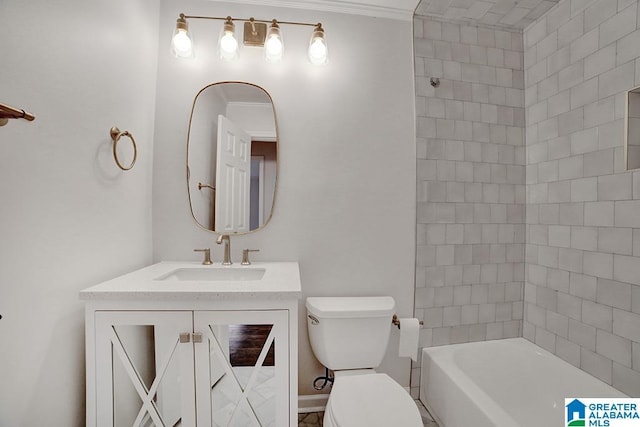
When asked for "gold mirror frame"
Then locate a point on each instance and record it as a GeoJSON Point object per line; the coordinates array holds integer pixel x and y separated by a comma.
{"type": "Point", "coordinates": [277, 153]}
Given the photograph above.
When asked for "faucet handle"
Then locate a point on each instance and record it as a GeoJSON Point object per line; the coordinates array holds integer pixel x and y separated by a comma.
{"type": "Point", "coordinates": [207, 255]}
{"type": "Point", "coordinates": [245, 256]}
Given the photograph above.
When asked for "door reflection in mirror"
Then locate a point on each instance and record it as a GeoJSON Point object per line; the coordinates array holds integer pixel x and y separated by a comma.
{"type": "Point", "coordinates": [232, 157]}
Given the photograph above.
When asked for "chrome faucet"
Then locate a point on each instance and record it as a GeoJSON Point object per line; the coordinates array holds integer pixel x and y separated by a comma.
{"type": "Point", "coordinates": [227, 248]}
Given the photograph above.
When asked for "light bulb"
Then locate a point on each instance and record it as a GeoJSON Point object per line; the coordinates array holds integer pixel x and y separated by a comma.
{"type": "Point", "coordinates": [318, 47]}
{"type": "Point", "coordinates": [181, 42]}
{"type": "Point", "coordinates": [228, 44]}
{"type": "Point", "coordinates": [274, 46]}
{"type": "Point", "coordinates": [318, 52]}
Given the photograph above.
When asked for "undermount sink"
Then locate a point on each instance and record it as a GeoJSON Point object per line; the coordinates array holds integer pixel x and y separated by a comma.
{"type": "Point", "coordinates": [208, 274]}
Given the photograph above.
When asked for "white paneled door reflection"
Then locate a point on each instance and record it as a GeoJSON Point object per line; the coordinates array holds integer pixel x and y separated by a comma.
{"type": "Point", "coordinates": [233, 178]}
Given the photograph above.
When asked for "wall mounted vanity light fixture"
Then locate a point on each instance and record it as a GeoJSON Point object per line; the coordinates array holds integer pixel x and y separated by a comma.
{"type": "Point", "coordinates": [273, 43]}
{"type": "Point", "coordinates": [227, 43]}
{"type": "Point", "coordinates": [318, 46]}
{"type": "Point", "coordinates": [182, 40]}
{"type": "Point", "coordinates": [256, 33]}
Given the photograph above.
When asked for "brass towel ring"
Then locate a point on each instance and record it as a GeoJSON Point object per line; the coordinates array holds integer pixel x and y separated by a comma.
{"type": "Point", "coordinates": [115, 137]}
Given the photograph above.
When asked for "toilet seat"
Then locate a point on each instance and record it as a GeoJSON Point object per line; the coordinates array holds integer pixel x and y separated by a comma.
{"type": "Point", "coordinates": [370, 400]}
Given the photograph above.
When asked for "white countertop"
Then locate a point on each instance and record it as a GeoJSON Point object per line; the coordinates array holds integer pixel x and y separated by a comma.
{"type": "Point", "coordinates": [281, 280]}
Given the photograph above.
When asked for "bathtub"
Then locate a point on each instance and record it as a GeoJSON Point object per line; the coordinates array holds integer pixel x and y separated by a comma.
{"type": "Point", "coordinates": [509, 382]}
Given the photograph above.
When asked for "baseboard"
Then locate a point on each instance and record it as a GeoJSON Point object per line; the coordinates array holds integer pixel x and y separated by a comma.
{"type": "Point", "coordinates": [312, 403]}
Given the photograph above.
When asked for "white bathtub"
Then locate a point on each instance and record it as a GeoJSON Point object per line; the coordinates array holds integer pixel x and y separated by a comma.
{"type": "Point", "coordinates": [509, 382]}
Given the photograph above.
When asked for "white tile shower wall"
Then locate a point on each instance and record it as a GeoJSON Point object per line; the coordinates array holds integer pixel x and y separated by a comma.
{"type": "Point", "coordinates": [582, 291]}
{"type": "Point", "coordinates": [471, 176]}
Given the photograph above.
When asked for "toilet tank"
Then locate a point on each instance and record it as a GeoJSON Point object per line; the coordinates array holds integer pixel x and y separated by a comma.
{"type": "Point", "coordinates": [349, 332]}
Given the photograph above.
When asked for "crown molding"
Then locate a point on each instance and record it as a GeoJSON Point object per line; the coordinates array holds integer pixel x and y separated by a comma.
{"type": "Point", "coordinates": [402, 12]}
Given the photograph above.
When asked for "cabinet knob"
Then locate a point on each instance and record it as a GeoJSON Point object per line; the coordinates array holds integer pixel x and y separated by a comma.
{"type": "Point", "coordinates": [185, 337]}
{"type": "Point", "coordinates": [197, 337]}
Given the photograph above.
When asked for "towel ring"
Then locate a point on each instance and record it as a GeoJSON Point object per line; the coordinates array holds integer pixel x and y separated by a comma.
{"type": "Point", "coordinates": [115, 137]}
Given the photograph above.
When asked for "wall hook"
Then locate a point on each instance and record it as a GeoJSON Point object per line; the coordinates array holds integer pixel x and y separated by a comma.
{"type": "Point", "coordinates": [7, 112]}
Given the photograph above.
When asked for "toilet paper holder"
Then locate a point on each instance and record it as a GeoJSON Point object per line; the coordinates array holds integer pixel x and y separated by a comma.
{"type": "Point", "coordinates": [396, 321]}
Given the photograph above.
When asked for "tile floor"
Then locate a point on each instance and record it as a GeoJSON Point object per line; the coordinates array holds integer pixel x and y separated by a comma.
{"type": "Point", "coordinates": [427, 419]}
{"type": "Point", "coordinates": [314, 419]}
{"type": "Point", "coordinates": [310, 419]}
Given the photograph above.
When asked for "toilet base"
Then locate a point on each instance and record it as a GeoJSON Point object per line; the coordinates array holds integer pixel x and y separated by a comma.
{"type": "Point", "coordinates": [365, 398]}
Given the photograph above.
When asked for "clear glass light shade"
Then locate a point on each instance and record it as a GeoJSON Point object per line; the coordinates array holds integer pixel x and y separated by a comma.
{"type": "Point", "coordinates": [273, 45]}
{"type": "Point", "coordinates": [318, 51]}
{"type": "Point", "coordinates": [181, 42]}
{"type": "Point", "coordinates": [228, 44]}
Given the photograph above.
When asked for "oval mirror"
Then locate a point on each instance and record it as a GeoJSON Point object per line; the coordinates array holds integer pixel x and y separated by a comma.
{"type": "Point", "coordinates": [232, 151]}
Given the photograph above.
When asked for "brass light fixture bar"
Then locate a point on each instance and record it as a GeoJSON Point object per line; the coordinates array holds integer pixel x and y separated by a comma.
{"type": "Point", "coordinates": [257, 32]}
{"type": "Point", "coordinates": [7, 112]}
{"type": "Point", "coordinates": [247, 20]}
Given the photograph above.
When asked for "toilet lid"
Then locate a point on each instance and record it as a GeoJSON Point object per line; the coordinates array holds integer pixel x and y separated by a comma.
{"type": "Point", "coordinates": [372, 400]}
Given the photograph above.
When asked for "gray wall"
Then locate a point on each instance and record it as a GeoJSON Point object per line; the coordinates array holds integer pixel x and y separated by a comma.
{"type": "Point", "coordinates": [470, 178]}
{"type": "Point", "coordinates": [345, 203]}
{"type": "Point", "coordinates": [69, 218]}
{"type": "Point", "coordinates": [582, 292]}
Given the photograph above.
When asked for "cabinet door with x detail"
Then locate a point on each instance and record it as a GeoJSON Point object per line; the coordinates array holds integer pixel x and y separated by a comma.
{"type": "Point", "coordinates": [144, 369]}
{"type": "Point", "coordinates": [242, 368]}
{"type": "Point", "coordinates": [192, 368]}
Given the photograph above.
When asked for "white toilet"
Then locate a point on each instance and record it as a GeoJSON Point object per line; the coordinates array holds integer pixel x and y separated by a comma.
{"type": "Point", "coordinates": [349, 335]}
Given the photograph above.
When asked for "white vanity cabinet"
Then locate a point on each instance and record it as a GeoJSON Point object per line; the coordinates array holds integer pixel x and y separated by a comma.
{"type": "Point", "coordinates": [193, 352]}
